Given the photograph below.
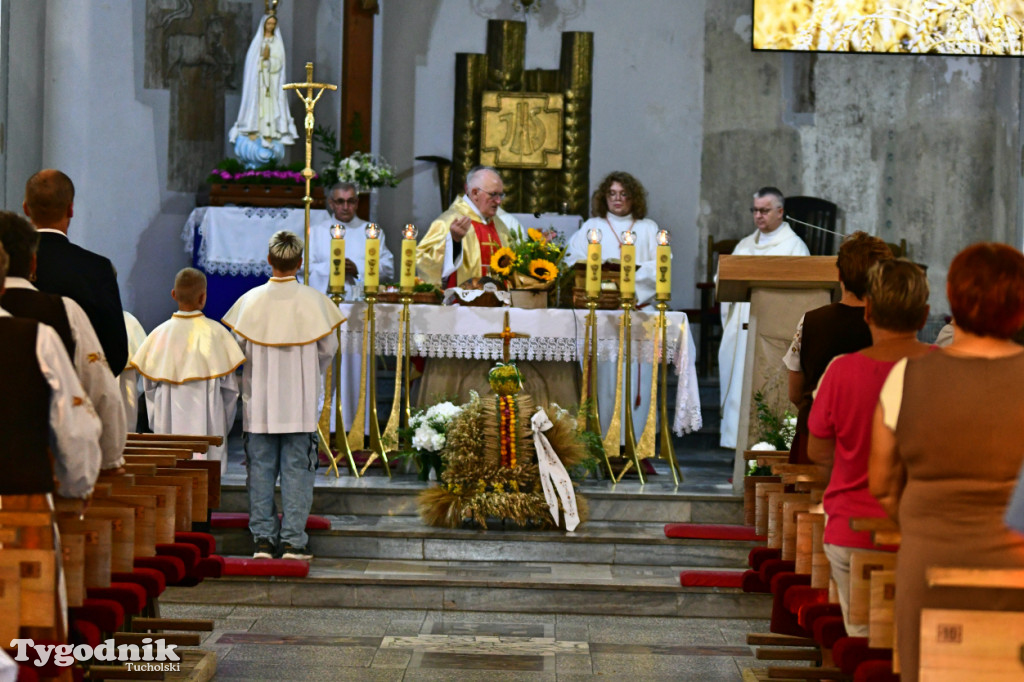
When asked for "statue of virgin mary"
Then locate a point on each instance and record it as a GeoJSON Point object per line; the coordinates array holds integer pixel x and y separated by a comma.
{"type": "Point", "coordinates": [264, 125]}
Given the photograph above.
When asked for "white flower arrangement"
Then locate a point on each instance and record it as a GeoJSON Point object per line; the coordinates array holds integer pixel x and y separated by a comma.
{"type": "Point", "coordinates": [365, 171]}
{"type": "Point", "coordinates": [429, 427]}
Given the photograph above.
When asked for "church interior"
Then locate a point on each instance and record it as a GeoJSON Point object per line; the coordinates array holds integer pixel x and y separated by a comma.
{"type": "Point", "coordinates": [591, 478]}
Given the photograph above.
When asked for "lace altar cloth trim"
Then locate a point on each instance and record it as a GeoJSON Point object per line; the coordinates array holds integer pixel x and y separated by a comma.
{"type": "Point", "coordinates": [457, 332]}
{"type": "Point", "coordinates": [233, 239]}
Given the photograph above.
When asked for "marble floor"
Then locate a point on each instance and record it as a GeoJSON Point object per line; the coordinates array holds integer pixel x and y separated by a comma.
{"type": "Point", "coordinates": [270, 643]}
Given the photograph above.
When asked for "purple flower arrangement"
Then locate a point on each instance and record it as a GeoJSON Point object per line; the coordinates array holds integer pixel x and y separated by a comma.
{"type": "Point", "coordinates": [270, 177]}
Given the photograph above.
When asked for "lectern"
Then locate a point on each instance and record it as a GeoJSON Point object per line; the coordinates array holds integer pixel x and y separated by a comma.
{"type": "Point", "coordinates": [780, 289]}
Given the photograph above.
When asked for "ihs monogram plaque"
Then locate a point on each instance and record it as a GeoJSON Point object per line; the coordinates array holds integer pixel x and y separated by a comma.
{"type": "Point", "coordinates": [521, 130]}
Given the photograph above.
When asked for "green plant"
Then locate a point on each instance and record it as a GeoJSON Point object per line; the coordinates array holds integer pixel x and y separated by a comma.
{"type": "Point", "coordinates": [775, 429]}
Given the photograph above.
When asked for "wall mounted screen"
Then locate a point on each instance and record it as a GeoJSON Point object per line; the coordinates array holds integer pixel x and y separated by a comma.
{"type": "Point", "coordinates": [948, 27]}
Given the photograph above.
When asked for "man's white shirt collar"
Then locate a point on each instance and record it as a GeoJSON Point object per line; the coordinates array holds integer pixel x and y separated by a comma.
{"type": "Point", "coordinates": [19, 283]}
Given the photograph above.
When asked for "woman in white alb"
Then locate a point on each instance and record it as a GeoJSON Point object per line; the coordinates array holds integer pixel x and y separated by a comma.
{"type": "Point", "coordinates": [620, 205]}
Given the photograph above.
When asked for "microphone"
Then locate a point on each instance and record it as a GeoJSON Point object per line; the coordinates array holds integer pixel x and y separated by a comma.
{"type": "Point", "coordinates": [816, 227]}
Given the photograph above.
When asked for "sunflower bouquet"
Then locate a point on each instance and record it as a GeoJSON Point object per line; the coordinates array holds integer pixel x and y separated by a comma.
{"type": "Point", "coordinates": [530, 262]}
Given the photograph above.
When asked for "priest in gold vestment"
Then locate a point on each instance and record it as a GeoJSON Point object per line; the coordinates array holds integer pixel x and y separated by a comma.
{"type": "Point", "coordinates": [459, 244]}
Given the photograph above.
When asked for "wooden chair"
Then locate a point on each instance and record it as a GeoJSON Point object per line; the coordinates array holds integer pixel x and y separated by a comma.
{"type": "Point", "coordinates": [804, 211]}
{"type": "Point", "coordinates": [898, 249]}
{"type": "Point", "coordinates": [710, 314]}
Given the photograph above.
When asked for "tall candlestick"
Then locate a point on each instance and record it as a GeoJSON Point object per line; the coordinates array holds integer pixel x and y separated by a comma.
{"type": "Point", "coordinates": [336, 282]}
{"type": "Point", "coordinates": [407, 279]}
{"type": "Point", "coordinates": [663, 267]}
{"type": "Point", "coordinates": [627, 258]}
{"type": "Point", "coordinates": [594, 263]}
{"type": "Point", "coordinates": [371, 276]}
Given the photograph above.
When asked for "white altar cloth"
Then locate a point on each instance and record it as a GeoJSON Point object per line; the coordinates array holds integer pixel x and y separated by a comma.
{"type": "Point", "coordinates": [234, 238]}
{"type": "Point", "coordinates": [556, 334]}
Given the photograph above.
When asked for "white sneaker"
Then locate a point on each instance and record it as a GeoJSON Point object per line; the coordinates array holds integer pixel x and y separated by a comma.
{"type": "Point", "coordinates": [300, 553]}
{"type": "Point", "coordinates": [264, 550]}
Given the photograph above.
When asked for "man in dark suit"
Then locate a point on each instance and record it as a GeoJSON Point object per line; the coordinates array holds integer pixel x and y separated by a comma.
{"type": "Point", "coordinates": [69, 270]}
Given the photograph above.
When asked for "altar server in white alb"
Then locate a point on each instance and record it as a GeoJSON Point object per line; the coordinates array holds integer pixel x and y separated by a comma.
{"type": "Point", "coordinates": [188, 368]}
{"type": "Point", "coordinates": [341, 209]}
{"type": "Point", "coordinates": [287, 333]}
{"type": "Point", "coordinates": [129, 378]}
{"type": "Point", "coordinates": [620, 205]}
{"type": "Point", "coordinates": [773, 237]}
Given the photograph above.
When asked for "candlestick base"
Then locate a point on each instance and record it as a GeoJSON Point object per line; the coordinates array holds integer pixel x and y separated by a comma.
{"type": "Point", "coordinates": [340, 439]}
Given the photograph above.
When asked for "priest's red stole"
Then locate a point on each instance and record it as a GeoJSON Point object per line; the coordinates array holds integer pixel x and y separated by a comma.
{"type": "Point", "coordinates": [487, 237]}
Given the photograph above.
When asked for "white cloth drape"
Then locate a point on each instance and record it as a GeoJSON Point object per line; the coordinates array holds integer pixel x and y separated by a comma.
{"type": "Point", "coordinates": [554, 479]}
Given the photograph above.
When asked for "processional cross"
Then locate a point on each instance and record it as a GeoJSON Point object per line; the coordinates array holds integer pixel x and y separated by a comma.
{"type": "Point", "coordinates": [310, 101]}
{"type": "Point", "coordinates": [506, 335]}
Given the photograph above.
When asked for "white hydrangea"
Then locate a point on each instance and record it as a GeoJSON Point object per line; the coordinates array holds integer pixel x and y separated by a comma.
{"type": "Point", "coordinates": [425, 438]}
{"type": "Point", "coordinates": [446, 411]}
{"type": "Point", "coordinates": [762, 446]}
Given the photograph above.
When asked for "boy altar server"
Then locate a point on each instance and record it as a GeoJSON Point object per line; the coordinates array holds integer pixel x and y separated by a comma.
{"type": "Point", "coordinates": [287, 332]}
{"type": "Point", "coordinates": [188, 368]}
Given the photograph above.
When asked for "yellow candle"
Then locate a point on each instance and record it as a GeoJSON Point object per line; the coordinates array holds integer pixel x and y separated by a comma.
{"type": "Point", "coordinates": [627, 259]}
{"type": "Point", "coordinates": [663, 281]}
{"type": "Point", "coordinates": [663, 267]}
{"type": "Point", "coordinates": [593, 270]}
{"type": "Point", "coordinates": [371, 277]}
{"type": "Point", "coordinates": [407, 278]}
{"type": "Point", "coordinates": [336, 282]}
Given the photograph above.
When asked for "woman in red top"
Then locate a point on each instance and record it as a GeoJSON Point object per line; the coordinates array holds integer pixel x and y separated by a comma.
{"type": "Point", "coordinates": [844, 404]}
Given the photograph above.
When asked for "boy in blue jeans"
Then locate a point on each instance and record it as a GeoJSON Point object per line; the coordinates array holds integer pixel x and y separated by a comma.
{"type": "Point", "coordinates": [286, 331]}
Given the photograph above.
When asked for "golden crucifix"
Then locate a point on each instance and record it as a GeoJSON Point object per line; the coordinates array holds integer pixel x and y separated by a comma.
{"type": "Point", "coordinates": [506, 335]}
{"type": "Point", "coordinates": [310, 101]}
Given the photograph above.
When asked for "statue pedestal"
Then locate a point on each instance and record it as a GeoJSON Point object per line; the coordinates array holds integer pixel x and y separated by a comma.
{"type": "Point", "coordinates": [273, 196]}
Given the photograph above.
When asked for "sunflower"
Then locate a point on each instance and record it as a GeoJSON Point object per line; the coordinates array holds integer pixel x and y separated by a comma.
{"type": "Point", "coordinates": [502, 260]}
{"type": "Point", "coordinates": [543, 269]}
{"type": "Point", "coordinates": [536, 235]}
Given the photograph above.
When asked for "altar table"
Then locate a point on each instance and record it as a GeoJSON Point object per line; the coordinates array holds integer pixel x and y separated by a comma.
{"type": "Point", "coordinates": [229, 244]}
{"type": "Point", "coordinates": [555, 335]}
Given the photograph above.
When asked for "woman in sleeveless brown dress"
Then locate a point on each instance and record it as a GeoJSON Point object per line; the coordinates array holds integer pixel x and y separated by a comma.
{"type": "Point", "coordinates": [947, 444]}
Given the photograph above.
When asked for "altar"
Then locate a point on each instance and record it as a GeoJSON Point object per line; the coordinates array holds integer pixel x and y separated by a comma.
{"type": "Point", "coordinates": [556, 337]}
{"type": "Point", "coordinates": [229, 244]}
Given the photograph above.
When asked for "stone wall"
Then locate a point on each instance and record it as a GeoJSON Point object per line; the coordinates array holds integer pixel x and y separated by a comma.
{"type": "Point", "coordinates": [920, 148]}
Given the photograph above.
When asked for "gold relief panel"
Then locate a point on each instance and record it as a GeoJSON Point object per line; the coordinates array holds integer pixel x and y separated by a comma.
{"type": "Point", "coordinates": [521, 130]}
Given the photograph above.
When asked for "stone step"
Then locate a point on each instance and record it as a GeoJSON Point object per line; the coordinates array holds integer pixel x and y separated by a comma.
{"type": "Point", "coordinates": [509, 586]}
{"type": "Point", "coordinates": [405, 538]}
{"type": "Point", "coordinates": [657, 502]}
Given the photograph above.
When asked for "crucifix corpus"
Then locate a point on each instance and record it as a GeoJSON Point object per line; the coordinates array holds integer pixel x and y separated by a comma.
{"type": "Point", "coordinates": [310, 101]}
{"type": "Point", "coordinates": [506, 335]}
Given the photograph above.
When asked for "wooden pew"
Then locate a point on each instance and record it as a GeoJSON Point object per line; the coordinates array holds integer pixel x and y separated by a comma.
{"type": "Point", "coordinates": [28, 568]}
{"type": "Point", "coordinates": [965, 644]}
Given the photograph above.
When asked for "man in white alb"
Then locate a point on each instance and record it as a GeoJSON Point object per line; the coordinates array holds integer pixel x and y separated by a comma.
{"type": "Point", "coordinates": [341, 209]}
{"type": "Point", "coordinates": [773, 237]}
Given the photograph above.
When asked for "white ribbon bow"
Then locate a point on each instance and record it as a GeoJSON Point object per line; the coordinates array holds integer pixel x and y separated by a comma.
{"type": "Point", "coordinates": [554, 479]}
